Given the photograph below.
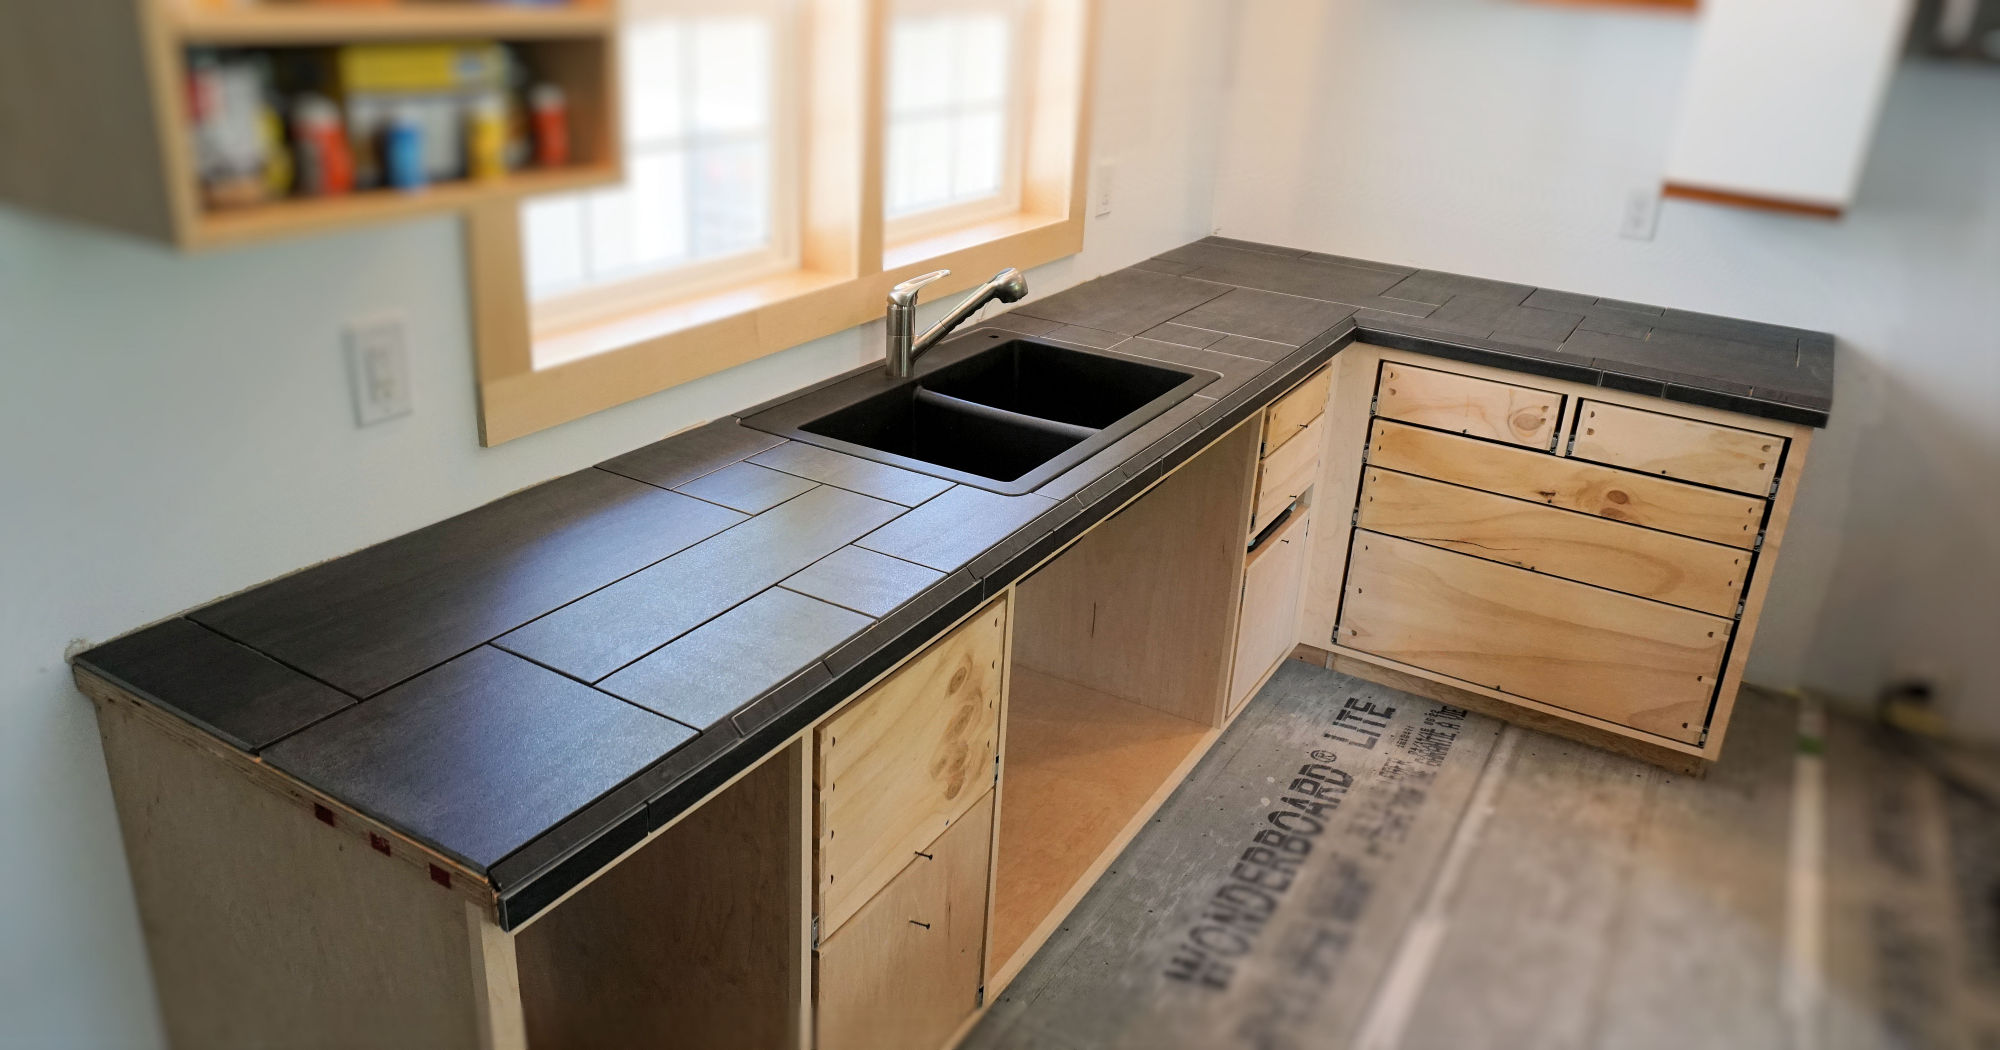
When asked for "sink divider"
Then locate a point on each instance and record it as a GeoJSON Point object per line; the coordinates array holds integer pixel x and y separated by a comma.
{"type": "Point", "coordinates": [974, 408]}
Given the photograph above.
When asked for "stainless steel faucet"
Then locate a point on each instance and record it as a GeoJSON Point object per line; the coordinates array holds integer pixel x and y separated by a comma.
{"type": "Point", "coordinates": [905, 346]}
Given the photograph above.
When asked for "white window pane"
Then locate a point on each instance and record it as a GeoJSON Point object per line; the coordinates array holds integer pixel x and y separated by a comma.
{"type": "Point", "coordinates": [653, 75]}
{"type": "Point", "coordinates": [921, 56]}
{"type": "Point", "coordinates": [731, 198]}
{"type": "Point", "coordinates": [659, 208]}
{"type": "Point", "coordinates": [732, 74]}
{"type": "Point", "coordinates": [920, 158]}
{"type": "Point", "coordinates": [976, 168]}
{"type": "Point", "coordinates": [552, 244]}
{"type": "Point", "coordinates": [610, 228]}
{"type": "Point", "coordinates": [982, 58]}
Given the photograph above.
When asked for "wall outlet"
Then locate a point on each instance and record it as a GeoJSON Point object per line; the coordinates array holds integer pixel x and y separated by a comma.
{"type": "Point", "coordinates": [1642, 213]}
{"type": "Point", "coordinates": [1107, 173]}
{"type": "Point", "coordinates": [378, 369]}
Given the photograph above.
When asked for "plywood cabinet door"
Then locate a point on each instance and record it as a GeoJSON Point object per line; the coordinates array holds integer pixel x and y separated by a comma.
{"type": "Point", "coordinates": [905, 972]}
{"type": "Point", "coordinates": [905, 761]}
{"type": "Point", "coordinates": [1269, 626]}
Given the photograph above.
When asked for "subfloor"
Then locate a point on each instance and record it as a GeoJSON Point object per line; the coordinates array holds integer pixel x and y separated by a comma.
{"type": "Point", "coordinates": [1351, 866]}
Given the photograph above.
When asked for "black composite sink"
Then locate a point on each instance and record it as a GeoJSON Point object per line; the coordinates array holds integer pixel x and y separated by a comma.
{"type": "Point", "coordinates": [1002, 414]}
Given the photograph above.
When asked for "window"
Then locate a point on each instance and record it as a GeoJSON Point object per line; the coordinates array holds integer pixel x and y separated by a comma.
{"type": "Point", "coordinates": [953, 142]}
{"type": "Point", "coordinates": [701, 198]}
{"type": "Point", "coordinates": [784, 163]}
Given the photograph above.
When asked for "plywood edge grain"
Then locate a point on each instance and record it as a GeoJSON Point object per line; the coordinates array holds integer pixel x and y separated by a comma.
{"type": "Point", "coordinates": [338, 817]}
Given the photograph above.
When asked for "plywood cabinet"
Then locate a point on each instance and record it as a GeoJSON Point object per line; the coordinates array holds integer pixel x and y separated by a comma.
{"type": "Point", "coordinates": [1561, 549]}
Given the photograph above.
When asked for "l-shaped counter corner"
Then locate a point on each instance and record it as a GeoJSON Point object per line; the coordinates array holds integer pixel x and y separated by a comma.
{"type": "Point", "coordinates": [735, 741]}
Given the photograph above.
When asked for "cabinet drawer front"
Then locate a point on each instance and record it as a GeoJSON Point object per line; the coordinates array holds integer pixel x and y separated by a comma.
{"type": "Point", "coordinates": [905, 761]}
{"type": "Point", "coordinates": [1651, 564]}
{"type": "Point", "coordinates": [1481, 408]}
{"type": "Point", "coordinates": [1689, 449]}
{"type": "Point", "coordinates": [1289, 415]}
{"type": "Point", "coordinates": [1268, 627]}
{"type": "Point", "coordinates": [1627, 660]}
{"type": "Point", "coordinates": [906, 970]}
{"type": "Point", "coordinates": [1621, 495]}
{"type": "Point", "coordinates": [1286, 475]}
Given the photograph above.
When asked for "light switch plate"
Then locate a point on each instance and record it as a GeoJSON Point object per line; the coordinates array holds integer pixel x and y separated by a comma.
{"type": "Point", "coordinates": [1642, 213]}
{"type": "Point", "coordinates": [378, 370]}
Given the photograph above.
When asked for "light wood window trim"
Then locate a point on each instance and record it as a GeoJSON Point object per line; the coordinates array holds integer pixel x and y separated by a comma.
{"type": "Point", "coordinates": [844, 272]}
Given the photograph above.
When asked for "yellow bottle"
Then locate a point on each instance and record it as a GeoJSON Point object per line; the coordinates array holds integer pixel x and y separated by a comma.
{"type": "Point", "coordinates": [486, 138]}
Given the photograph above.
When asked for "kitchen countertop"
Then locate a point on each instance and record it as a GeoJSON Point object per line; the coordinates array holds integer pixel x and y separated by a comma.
{"type": "Point", "coordinates": [534, 685]}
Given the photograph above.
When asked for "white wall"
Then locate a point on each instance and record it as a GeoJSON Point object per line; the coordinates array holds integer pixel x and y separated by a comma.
{"type": "Point", "coordinates": [1499, 138]}
{"type": "Point", "coordinates": [177, 428]}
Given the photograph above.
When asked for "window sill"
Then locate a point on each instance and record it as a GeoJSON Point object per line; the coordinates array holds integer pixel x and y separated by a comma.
{"type": "Point", "coordinates": [586, 368]}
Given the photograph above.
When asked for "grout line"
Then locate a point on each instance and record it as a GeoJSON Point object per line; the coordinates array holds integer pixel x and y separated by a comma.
{"type": "Point", "coordinates": [1388, 1015]}
{"type": "Point", "coordinates": [1800, 974]}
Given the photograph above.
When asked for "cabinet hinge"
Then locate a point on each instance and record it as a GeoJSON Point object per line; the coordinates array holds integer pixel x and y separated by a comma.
{"type": "Point", "coordinates": [1373, 400]}
{"type": "Point", "coordinates": [1570, 449]}
{"type": "Point", "coordinates": [815, 931]}
{"type": "Point", "coordinates": [1703, 741]}
{"type": "Point", "coordinates": [1774, 487]}
{"type": "Point", "coordinates": [1758, 544]}
{"type": "Point", "coordinates": [979, 997]}
{"type": "Point", "coordinates": [1739, 610]}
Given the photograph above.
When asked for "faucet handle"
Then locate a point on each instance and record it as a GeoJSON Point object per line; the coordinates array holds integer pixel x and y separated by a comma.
{"type": "Point", "coordinates": [905, 294]}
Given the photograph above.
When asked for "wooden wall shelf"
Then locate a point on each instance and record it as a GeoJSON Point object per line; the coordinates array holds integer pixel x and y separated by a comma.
{"type": "Point", "coordinates": [307, 23]}
{"type": "Point", "coordinates": [94, 121]}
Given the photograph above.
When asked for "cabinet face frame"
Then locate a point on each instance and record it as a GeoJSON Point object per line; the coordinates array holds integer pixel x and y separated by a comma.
{"type": "Point", "coordinates": [1349, 413]}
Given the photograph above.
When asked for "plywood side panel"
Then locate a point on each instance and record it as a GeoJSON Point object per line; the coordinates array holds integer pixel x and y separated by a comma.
{"type": "Point", "coordinates": [1625, 659]}
{"type": "Point", "coordinates": [1720, 517]}
{"type": "Point", "coordinates": [267, 928]}
{"type": "Point", "coordinates": [1144, 607]}
{"type": "Point", "coordinates": [1481, 408]}
{"type": "Point", "coordinates": [905, 761]}
{"type": "Point", "coordinates": [689, 941]}
{"type": "Point", "coordinates": [906, 970]}
{"type": "Point", "coordinates": [1335, 491]}
{"type": "Point", "coordinates": [1673, 447]}
{"type": "Point", "coordinates": [1657, 565]}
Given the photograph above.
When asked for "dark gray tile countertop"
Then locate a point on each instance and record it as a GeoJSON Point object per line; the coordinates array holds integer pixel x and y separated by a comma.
{"type": "Point", "coordinates": [532, 686]}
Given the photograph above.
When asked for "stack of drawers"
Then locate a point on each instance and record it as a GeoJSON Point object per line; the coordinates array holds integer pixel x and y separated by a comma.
{"type": "Point", "coordinates": [903, 825]}
{"type": "Point", "coordinates": [1587, 555]}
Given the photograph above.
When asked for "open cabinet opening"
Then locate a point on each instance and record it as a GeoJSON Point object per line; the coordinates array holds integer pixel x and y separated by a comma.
{"type": "Point", "coordinates": [1121, 657]}
{"type": "Point", "coordinates": [696, 940]}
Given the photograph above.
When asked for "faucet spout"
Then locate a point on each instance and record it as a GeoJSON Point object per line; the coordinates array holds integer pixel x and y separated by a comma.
{"type": "Point", "coordinates": [905, 346]}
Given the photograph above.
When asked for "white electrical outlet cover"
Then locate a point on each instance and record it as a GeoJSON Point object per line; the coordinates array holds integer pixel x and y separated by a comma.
{"type": "Point", "coordinates": [378, 370]}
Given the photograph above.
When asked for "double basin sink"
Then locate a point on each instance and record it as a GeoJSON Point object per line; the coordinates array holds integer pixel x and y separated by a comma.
{"type": "Point", "coordinates": [1003, 414]}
